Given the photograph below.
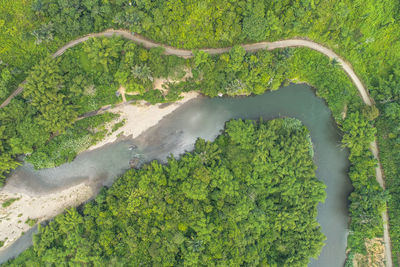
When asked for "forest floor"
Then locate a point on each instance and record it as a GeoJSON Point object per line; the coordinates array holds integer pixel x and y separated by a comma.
{"type": "Point", "coordinates": [249, 48]}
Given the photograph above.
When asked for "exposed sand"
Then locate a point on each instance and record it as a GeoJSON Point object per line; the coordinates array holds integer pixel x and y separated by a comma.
{"type": "Point", "coordinates": [140, 117]}
{"type": "Point", "coordinates": [13, 217]}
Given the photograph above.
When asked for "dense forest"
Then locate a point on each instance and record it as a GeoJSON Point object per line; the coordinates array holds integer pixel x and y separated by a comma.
{"type": "Point", "coordinates": [43, 122]}
{"type": "Point", "coordinates": [239, 73]}
{"type": "Point", "coordinates": [248, 198]}
{"type": "Point", "coordinates": [233, 73]}
{"type": "Point", "coordinates": [363, 32]}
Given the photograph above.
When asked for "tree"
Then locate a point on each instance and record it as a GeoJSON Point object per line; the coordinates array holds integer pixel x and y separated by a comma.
{"type": "Point", "coordinates": [5, 79]}
{"type": "Point", "coordinates": [236, 57]}
{"type": "Point", "coordinates": [103, 51]}
{"type": "Point", "coordinates": [254, 24]}
{"type": "Point", "coordinates": [207, 208]}
{"type": "Point", "coordinates": [43, 90]}
{"type": "Point", "coordinates": [142, 72]}
{"type": "Point", "coordinates": [392, 110]}
{"type": "Point", "coordinates": [44, 33]}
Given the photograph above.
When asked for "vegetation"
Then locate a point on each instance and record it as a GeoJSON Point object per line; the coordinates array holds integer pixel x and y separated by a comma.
{"type": "Point", "coordinates": [388, 139]}
{"type": "Point", "coordinates": [367, 37]}
{"type": "Point", "coordinates": [237, 73]}
{"type": "Point", "coordinates": [64, 148]}
{"type": "Point", "coordinates": [248, 198]}
{"type": "Point", "coordinates": [8, 202]}
{"type": "Point", "coordinates": [31, 222]}
{"type": "Point", "coordinates": [118, 125]}
{"type": "Point", "coordinates": [255, 72]}
{"type": "Point", "coordinates": [42, 122]}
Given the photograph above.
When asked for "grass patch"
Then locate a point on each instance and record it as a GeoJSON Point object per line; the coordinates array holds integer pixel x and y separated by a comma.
{"type": "Point", "coordinates": [118, 125]}
{"type": "Point", "coordinates": [31, 222]}
{"type": "Point", "coordinates": [8, 202]}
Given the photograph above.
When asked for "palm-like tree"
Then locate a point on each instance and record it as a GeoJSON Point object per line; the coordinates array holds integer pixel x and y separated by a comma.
{"type": "Point", "coordinates": [235, 86]}
{"type": "Point", "coordinates": [44, 33]}
{"type": "Point", "coordinates": [334, 62]}
{"type": "Point", "coordinates": [210, 153]}
{"type": "Point", "coordinates": [142, 72]}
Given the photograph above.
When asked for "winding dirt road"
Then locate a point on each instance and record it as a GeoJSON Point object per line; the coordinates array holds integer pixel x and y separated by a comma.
{"type": "Point", "coordinates": [249, 48]}
{"type": "Point", "coordinates": [188, 53]}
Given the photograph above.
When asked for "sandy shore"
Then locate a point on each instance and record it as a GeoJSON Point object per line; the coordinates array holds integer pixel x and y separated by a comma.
{"type": "Point", "coordinates": [13, 217]}
{"type": "Point", "coordinates": [138, 118]}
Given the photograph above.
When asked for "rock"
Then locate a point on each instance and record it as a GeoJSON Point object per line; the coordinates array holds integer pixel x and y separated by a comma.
{"type": "Point", "coordinates": [132, 147]}
{"type": "Point", "coordinates": [134, 163]}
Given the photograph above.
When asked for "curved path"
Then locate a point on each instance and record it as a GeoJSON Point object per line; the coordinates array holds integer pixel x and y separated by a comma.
{"type": "Point", "coordinates": [249, 48]}
{"type": "Point", "coordinates": [188, 53]}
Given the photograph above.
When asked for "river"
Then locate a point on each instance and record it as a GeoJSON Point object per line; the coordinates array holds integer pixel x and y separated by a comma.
{"type": "Point", "coordinates": [204, 117]}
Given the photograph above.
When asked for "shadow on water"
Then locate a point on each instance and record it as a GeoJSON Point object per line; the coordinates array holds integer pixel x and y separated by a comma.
{"type": "Point", "coordinates": [205, 118]}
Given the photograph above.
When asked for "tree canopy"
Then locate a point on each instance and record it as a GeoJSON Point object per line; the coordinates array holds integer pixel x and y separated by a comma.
{"type": "Point", "coordinates": [368, 37]}
{"type": "Point", "coordinates": [248, 198]}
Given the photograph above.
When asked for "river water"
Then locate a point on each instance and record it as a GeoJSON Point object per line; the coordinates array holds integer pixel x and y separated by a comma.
{"type": "Point", "coordinates": [205, 118]}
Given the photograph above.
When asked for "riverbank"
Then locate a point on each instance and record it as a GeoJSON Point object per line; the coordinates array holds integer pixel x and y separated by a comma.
{"type": "Point", "coordinates": [250, 48]}
{"type": "Point", "coordinates": [32, 208]}
{"type": "Point", "coordinates": [15, 219]}
{"type": "Point", "coordinates": [205, 117]}
{"type": "Point", "coordinates": [140, 117]}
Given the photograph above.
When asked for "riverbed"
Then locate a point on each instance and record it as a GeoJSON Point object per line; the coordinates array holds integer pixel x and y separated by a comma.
{"type": "Point", "coordinates": [204, 117]}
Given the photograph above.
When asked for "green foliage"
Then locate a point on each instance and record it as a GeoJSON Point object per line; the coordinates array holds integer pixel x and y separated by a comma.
{"type": "Point", "coordinates": [43, 123]}
{"type": "Point", "coordinates": [227, 203]}
{"type": "Point", "coordinates": [389, 144]}
{"type": "Point", "coordinates": [74, 17]}
{"type": "Point", "coordinates": [367, 37]}
{"type": "Point", "coordinates": [153, 96]}
{"type": "Point", "coordinates": [5, 82]}
{"type": "Point", "coordinates": [331, 82]}
{"type": "Point", "coordinates": [44, 33]}
{"type": "Point", "coordinates": [64, 148]}
{"type": "Point", "coordinates": [103, 52]}
{"type": "Point", "coordinates": [17, 47]}
{"type": "Point", "coordinates": [43, 90]}
{"type": "Point", "coordinates": [254, 21]}
{"type": "Point", "coordinates": [8, 202]}
{"type": "Point", "coordinates": [359, 133]}
{"type": "Point", "coordinates": [7, 163]}
{"type": "Point", "coordinates": [233, 73]}
{"type": "Point", "coordinates": [368, 199]}
{"type": "Point", "coordinates": [118, 125]}
{"type": "Point", "coordinates": [237, 73]}
{"type": "Point", "coordinates": [31, 222]}
{"type": "Point", "coordinates": [212, 76]}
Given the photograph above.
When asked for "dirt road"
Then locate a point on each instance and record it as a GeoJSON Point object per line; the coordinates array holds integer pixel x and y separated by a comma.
{"type": "Point", "coordinates": [249, 48]}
